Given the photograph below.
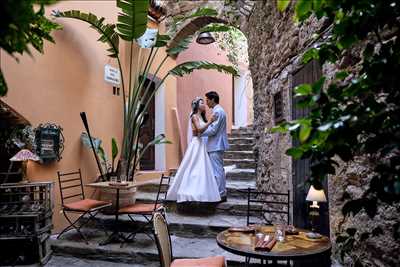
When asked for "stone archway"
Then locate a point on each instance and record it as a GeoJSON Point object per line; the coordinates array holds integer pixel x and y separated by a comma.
{"type": "Point", "coordinates": [241, 91]}
{"type": "Point", "coordinates": [191, 27]}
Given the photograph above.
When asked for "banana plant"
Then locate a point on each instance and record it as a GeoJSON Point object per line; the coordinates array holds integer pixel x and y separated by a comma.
{"type": "Point", "coordinates": [136, 93]}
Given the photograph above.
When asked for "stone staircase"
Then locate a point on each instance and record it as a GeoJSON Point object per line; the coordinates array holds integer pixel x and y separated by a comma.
{"type": "Point", "coordinates": [192, 235]}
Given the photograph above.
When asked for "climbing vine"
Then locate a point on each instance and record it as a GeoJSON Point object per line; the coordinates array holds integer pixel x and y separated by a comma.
{"type": "Point", "coordinates": [234, 43]}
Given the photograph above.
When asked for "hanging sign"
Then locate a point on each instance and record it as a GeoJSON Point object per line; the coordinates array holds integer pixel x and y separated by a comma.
{"type": "Point", "coordinates": [112, 75]}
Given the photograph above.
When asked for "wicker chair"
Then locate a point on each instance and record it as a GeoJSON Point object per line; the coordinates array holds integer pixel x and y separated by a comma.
{"type": "Point", "coordinates": [163, 241]}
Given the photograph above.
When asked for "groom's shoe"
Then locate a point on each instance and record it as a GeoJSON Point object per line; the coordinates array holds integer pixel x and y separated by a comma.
{"type": "Point", "coordinates": [223, 199]}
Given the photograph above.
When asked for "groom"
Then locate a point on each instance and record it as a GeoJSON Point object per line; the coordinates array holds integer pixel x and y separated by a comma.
{"type": "Point", "coordinates": [217, 141]}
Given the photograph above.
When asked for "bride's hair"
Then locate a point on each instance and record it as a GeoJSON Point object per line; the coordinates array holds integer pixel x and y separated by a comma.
{"type": "Point", "coordinates": [195, 108]}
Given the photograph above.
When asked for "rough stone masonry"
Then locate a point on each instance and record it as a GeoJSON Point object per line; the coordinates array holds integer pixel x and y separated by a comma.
{"type": "Point", "coordinates": [275, 47]}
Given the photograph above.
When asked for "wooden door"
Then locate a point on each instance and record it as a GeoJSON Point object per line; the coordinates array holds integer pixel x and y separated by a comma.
{"type": "Point", "coordinates": [147, 134]}
{"type": "Point", "coordinates": [310, 73]}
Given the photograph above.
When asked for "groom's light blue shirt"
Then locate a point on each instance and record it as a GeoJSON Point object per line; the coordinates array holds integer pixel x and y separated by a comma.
{"type": "Point", "coordinates": [216, 132]}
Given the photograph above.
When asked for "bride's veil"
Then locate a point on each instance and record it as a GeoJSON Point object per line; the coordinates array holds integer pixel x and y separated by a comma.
{"type": "Point", "coordinates": [189, 128]}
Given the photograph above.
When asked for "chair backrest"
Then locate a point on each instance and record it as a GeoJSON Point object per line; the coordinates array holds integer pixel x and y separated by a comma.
{"type": "Point", "coordinates": [162, 189]}
{"type": "Point", "coordinates": [163, 239]}
{"type": "Point", "coordinates": [71, 185]}
{"type": "Point", "coordinates": [262, 204]}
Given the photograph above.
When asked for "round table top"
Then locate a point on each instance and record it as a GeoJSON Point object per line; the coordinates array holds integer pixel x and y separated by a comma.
{"type": "Point", "coordinates": [294, 246]}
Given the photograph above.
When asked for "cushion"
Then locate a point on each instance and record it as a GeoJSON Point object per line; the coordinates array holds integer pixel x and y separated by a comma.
{"type": "Point", "coordinates": [142, 208]}
{"type": "Point", "coordinates": [218, 261]}
{"type": "Point", "coordinates": [85, 205]}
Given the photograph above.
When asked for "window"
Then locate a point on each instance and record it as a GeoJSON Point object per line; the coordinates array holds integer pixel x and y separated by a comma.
{"type": "Point", "coordinates": [278, 107]}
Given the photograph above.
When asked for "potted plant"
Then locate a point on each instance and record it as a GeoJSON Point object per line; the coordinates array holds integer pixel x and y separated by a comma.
{"type": "Point", "coordinates": [136, 94]}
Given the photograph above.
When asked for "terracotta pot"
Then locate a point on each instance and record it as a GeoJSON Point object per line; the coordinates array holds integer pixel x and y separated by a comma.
{"type": "Point", "coordinates": [126, 197]}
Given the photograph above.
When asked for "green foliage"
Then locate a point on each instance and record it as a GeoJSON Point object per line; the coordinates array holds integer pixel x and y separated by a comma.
{"type": "Point", "coordinates": [132, 20]}
{"type": "Point", "coordinates": [114, 152]}
{"type": "Point", "coordinates": [232, 41]}
{"type": "Point", "coordinates": [188, 67]}
{"type": "Point", "coordinates": [357, 112]}
{"type": "Point", "coordinates": [180, 47]}
{"type": "Point", "coordinates": [107, 32]}
{"type": "Point", "coordinates": [282, 4]}
{"type": "Point", "coordinates": [21, 26]}
{"type": "Point", "coordinates": [200, 12]}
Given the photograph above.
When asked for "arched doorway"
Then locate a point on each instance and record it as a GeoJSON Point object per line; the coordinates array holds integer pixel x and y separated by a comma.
{"type": "Point", "coordinates": [236, 92]}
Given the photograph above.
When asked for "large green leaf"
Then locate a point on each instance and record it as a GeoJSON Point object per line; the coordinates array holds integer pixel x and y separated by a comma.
{"type": "Point", "coordinates": [132, 20]}
{"type": "Point", "coordinates": [201, 12]}
{"type": "Point", "coordinates": [158, 140]}
{"type": "Point", "coordinates": [216, 27]}
{"type": "Point", "coordinates": [188, 67]}
{"type": "Point", "coordinates": [282, 4]}
{"type": "Point", "coordinates": [162, 40]}
{"type": "Point", "coordinates": [114, 148]}
{"type": "Point", "coordinates": [180, 47]}
{"type": "Point", "coordinates": [107, 32]}
{"type": "Point", "coordinates": [303, 9]}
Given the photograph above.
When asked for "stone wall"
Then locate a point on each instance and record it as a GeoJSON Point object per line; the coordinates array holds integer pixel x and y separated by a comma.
{"type": "Point", "coordinates": [275, 44]}
{"type": "Point", "coordinates": [275, 47]}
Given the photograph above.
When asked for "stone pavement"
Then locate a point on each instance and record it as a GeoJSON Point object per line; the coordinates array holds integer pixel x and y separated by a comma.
{"type": "Point", "coordinates": [62, 261]}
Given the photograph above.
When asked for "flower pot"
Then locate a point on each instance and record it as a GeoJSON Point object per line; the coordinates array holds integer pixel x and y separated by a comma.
{"type": "Point", "coordinates": [126, 198]}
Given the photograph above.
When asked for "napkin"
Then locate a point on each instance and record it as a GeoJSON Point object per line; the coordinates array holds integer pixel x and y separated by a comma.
{"type": "Point", "coordinates": [265, 245]}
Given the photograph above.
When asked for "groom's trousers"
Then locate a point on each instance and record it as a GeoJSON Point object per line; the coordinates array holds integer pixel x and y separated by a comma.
{"type": "Point", "coordinates": [217, 161]}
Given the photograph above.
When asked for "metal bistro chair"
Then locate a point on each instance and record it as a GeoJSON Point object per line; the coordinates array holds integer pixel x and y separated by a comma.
{"type": "Point", "coordinates": [261, 204]}
{"type": "Point", "coordinates": [163, 241]}
{"type": "Point", "coordinates": [147, 210]}
{"type": "Point", "coordinates": [71, 187]}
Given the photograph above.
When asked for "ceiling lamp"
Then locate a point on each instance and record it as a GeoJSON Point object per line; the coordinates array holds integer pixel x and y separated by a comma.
{"type": "Point", "coordinates": [205, 38]}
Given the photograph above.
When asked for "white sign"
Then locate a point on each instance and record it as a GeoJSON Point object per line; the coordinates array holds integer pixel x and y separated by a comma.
{"type": "Point", "coordinates": [112, 75]}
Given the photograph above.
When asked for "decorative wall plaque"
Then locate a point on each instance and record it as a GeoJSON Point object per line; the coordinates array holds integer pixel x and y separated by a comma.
{"type": "Point", "coordinates": [49, 142]}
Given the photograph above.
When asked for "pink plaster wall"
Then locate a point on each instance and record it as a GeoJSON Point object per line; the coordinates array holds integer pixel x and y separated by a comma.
{"type": "Point", "coordinates": [201, 81]}
{"type": "Point", "coordinates": [65, 80]}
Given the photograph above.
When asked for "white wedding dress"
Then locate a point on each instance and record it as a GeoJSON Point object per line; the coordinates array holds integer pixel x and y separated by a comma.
{"type": "Point", "coordinates": [194, 180]}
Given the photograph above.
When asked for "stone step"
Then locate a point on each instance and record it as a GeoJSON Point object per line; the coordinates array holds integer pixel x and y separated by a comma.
{"type": "Point", "coordinates": [241, 135]}
{"type": "Point", "coordinates": [233, 206]}
{"type": "Point", "coordinates": [182, 225]}
{"type": "Point", "coordinates": [243, 130]}
{"type": "Point", "coordinates": [240, 147]}
{"type": "Point", "coordinates": [232, 187]}
{"type": "Point", "coordinates": [239, 155]}
{"type": "Point", "coordinates": [241, 174]}
{"type": "Point", "coordinates": [235, 141]}
{"type": "Point", "coordinates": [141, 251]}
{"type": "Point", "coordinates": [241, 163]}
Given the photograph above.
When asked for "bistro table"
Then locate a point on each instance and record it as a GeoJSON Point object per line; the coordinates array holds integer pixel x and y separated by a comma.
{"type": "Point", "coordinates": [116, 235]}
{"type": "Point", "coordinates": [295, 247]}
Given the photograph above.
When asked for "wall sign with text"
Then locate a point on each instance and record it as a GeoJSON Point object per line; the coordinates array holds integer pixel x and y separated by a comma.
{"type": "Point", "coordinates": [112, 75]}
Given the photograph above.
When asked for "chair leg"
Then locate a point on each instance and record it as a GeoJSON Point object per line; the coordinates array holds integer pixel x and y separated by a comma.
{"type": "Point", "coordinates": [92, 217]}
{"type": "Point", "coordinates": [74, 226]}
{"type": "Point", "coordinates": [247, 261]}
{"type": "Point", "coordinates": [141, 229]}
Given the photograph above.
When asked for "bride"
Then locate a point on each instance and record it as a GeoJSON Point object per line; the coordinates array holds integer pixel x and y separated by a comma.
{"type": "Point", "coordinates": [194, 180]}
